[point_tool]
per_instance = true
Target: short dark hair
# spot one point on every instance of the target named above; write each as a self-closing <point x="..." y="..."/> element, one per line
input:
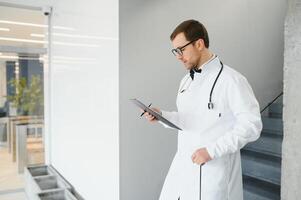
<point x="192" y="30"/>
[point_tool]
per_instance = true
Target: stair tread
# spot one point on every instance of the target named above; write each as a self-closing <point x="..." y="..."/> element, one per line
<point x="275" y="115"/>
<point x="276" y="108"/>
<point x="270" y="144"/>
<point x="272" y="125"/>
<point x="261" y="159"/>
<point x="249" y="195"/>
<point x="260" y="166"/>
<point x="256" y="189"/>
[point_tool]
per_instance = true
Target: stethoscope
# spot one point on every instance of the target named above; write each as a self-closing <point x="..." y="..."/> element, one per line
<point x="210" y="104"/>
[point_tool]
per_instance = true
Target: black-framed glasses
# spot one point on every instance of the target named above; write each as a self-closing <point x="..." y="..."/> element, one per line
<point x="179" y="51"/>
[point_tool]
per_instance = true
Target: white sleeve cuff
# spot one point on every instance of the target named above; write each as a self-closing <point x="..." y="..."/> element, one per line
<point x="210" y="149"/>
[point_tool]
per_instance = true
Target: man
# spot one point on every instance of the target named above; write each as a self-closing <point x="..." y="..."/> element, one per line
<point x="218" y="114"/>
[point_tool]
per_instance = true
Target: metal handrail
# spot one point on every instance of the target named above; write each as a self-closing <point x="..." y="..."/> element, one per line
<point x="271" y="102"/>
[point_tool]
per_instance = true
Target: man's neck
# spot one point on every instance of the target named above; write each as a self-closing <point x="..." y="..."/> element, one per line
<point x="205" y="57"/>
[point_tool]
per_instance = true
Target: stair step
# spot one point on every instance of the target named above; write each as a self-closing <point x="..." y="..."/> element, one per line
<point x="275" y="115"/>
<point x="248" y="195"/>
<point x="262" y="167"/>
<point x="276" y="108"/>
<point x="272" y="125"/>
<point x="259" y="190"/>
<point x="268" y="143"/>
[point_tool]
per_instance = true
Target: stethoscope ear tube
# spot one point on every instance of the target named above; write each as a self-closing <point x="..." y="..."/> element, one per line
<point x="210" y="104"/>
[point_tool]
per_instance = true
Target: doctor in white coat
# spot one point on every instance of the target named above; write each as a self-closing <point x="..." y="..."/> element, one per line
<point x="218" y="114"/>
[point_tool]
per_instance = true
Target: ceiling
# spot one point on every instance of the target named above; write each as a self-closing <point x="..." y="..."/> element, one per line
<point x="12" y="32"/>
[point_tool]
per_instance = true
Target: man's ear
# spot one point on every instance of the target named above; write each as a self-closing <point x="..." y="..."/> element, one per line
<point x="200" y="44"/>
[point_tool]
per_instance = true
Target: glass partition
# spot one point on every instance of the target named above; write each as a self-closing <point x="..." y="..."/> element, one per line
<point x="23" y="50"/>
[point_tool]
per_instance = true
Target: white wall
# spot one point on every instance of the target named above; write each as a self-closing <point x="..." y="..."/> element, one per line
<point x="82" y="112"/>
<point x="247" y="35"/>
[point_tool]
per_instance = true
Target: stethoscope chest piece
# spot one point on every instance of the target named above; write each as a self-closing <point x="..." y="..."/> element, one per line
<point x="210" y="105"/>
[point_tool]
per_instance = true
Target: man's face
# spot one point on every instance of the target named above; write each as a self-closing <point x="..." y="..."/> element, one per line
<point x="191" y="53"/>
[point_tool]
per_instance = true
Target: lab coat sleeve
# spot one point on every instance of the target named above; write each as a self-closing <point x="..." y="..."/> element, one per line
<point x="248" y="124"/>
<point x="170" y="116"/>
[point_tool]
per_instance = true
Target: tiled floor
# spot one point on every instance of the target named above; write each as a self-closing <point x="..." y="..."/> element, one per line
<point x="9" y="177"/>
<point x="11" y="182"/>
<point x="13" y="195"/>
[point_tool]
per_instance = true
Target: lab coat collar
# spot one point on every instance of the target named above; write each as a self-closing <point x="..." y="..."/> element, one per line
<point x="208" y="61"/>
<point x="210" y="65"/>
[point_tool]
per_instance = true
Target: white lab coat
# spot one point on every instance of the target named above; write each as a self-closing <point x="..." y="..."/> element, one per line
<point x="233" y="122"/>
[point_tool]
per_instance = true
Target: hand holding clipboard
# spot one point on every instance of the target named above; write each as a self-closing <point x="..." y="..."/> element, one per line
<point x="155" y="113"/>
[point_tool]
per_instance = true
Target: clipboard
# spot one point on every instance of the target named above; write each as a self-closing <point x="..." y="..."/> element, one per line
<point x="155" y="114"/>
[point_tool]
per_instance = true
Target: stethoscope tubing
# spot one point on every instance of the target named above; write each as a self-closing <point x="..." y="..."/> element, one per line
<point x="210" y="104"/>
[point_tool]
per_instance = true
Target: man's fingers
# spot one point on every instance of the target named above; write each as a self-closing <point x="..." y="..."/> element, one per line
<point x="198" y="161"/>
<point x="150" y="117"/>
<point x="147" y="115"/>
<point x="197" y="158"/>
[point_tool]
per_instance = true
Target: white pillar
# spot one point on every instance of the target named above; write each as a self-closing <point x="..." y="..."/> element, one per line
<point x="291" y="159"/>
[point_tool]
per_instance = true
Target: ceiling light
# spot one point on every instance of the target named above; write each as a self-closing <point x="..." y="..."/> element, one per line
<point x="4" y="29"/>
<point x="22" y="40"/>
<point x="22" y="23"/>
<point x="34" y="25"/>
<point x="9" y="57"/>
<point x="18" y="58"/>
<point x="45" y="42"/>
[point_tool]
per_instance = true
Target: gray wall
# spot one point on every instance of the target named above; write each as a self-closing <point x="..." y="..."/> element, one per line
<point x="291" y="156"/>
<point x="247" y="35"/>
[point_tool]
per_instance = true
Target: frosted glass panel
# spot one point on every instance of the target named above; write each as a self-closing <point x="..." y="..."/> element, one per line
<point x="84" y="96"/>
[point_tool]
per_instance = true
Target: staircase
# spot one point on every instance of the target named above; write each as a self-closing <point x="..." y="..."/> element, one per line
<point x="261" y="160"/>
